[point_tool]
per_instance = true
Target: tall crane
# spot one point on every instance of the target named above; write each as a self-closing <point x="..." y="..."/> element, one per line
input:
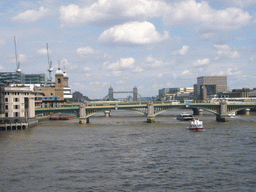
<point x="50" y="69"/>
<point x="16" y="56"/>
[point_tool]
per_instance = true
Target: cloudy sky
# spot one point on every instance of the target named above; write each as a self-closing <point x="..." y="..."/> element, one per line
<point x="150" y="44"/>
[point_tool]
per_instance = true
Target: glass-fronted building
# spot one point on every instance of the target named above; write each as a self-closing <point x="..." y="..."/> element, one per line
<point x="8" y="78"/>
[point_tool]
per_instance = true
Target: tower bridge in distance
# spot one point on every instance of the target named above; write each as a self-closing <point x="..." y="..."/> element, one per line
<point x="111" y="92"/>
<point x="151" y="109"/>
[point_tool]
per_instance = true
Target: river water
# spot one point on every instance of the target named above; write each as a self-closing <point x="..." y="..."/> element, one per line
<point x="124" y="153"/>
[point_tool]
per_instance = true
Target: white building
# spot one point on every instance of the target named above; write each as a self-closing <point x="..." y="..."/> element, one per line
<point x="18" y="106"/>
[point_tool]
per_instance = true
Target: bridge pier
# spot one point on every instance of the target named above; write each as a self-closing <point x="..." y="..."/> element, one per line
<point x="223" y="112"/>
<point x="221" y="118"/>
<point x="244" y="112"/>
<point x="151" y="112"/>
<point x="197" y="111"/>
<point x="107" y="113"/>
<point x="82" y="118"/>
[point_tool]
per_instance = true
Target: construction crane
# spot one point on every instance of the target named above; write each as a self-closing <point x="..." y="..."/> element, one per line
<point x="50" y="69"/>
<point x="17" y="62"/>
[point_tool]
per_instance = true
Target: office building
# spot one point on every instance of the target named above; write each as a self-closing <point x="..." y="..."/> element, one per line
<point x="8" y="78"/>
<point x="209" y="86"/>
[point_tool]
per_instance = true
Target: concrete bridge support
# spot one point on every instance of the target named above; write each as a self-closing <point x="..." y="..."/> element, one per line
<point x="223" y="113"/>
<point x="197" y="111"/>
<point x="82" y="117"/>
<point x="151" y="112"/>
<point x="107" y="113"/>
<point x="222" y="118"/>
<point x="244" y="112"/>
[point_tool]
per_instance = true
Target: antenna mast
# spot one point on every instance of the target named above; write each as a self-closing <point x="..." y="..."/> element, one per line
<point x="49" y="63"/>
<point x="16" y="56"/>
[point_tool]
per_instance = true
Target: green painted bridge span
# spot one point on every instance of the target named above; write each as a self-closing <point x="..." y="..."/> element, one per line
<point x="142" y="107"/>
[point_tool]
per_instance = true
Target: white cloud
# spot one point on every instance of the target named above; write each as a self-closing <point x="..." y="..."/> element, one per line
<point x="134" y="33"/>
<point x="31" y="15"/>
<point x="43" y="51"/>
<point x="218" y="73"/>
<point x="186" y="72"/>
<point x="224" y="50"/>
<point x="201" y="62"/>
<point x="22" y="57"/>
<point x="153" y="63"/>
<point x="88" y="75"/>
<point x="241" y="3"/>
<point x="105" y="13"/>
<point x="67" y="64"/>
<point x="85" y="50"/>
<point x="186" y="12"/>
<point x="94" y="83"/>
<point x="86" y="69"/>
<point x="117" y="73"/>
<point x="127" y="62"/>
<point x="160" y="75"/>
<point x="105" y="84"/>
<point x="114" y="66"/>
<point x="120" y="82"/>
<point x="207" y="35"/>
<point x="234" y="72"/>
<point x="190" y="12"/>
<point x="123" y="63"/>
<point x="1" y="67"/>
<point x="138" y="69"/>
<point x="182" y="51"/>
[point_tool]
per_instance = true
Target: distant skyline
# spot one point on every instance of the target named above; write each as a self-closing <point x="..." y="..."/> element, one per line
<point x="150" y="44"/>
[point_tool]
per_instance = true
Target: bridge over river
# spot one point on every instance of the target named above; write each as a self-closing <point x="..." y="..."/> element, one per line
<point x="150" y="109"/>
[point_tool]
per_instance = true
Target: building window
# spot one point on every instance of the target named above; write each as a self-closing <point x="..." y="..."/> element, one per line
<point x="16" y="99"/>
<point x="6" y="99"/>
<point x="6" y="106"/>
<point x="16" y="106"/>
<point x="58" y="81"/>
<point x="16" y="114"/>
<point x="6" y="114"/>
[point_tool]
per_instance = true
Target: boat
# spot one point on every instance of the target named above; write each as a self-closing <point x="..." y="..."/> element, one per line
<point x="232" y="115"/>
<point x="196" y="125"/>
<point x="185" y="117"/>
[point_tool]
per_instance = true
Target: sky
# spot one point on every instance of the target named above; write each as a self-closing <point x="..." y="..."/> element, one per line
<point x="150" y="44"/>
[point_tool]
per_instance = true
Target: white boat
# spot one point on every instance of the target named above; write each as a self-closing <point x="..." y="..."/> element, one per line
<point x="185" y="117"/>
<point x="232" y="115"/>
<point x="196" y="125"/>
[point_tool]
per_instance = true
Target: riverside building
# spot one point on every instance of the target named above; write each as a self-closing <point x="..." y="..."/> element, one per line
<point x="61" y="88"/>
<point x="209" y="86"/>
<point x="17" y="108"/>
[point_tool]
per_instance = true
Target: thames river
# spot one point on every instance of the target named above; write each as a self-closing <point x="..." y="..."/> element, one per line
<point x="124" y="153"/>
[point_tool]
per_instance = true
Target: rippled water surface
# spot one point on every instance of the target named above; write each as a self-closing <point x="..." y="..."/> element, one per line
<point x="124" y="153"/>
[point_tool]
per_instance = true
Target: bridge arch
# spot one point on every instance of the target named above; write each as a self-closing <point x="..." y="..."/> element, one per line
<point x="103" y="110"/>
